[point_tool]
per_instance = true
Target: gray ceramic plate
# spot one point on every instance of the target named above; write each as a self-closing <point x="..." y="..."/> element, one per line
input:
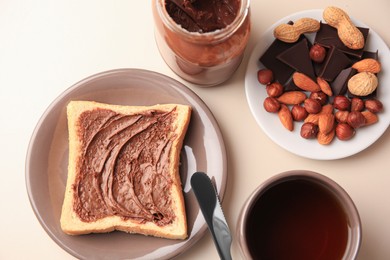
<point x="47" y="159"/>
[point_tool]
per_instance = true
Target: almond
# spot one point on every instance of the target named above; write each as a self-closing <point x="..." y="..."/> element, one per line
<point x="367" y="65"/>
<point x="313" y="118"/>
<point x="371" y="118"/>
<point x="326" y="123"/>
<point x="292" y="97"/>
<point x="325" y="139"/>
<point x="327" y="109"/>
<point x="285" y="117"/>
<point x="305" y="83"/>
<point x="325" y="87"/>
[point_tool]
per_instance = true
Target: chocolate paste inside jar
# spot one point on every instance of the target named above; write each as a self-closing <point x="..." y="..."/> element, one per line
<point x="124" y="166"/>
<point x="203" y="15"/>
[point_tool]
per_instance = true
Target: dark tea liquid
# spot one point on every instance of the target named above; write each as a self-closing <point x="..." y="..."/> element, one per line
<point x="297" y="219"/>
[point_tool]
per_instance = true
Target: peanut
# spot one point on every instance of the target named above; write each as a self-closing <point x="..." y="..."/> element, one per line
<point x="362" y="83"/>
<point x="291" y="33"/>
<point x="348" y="33"/>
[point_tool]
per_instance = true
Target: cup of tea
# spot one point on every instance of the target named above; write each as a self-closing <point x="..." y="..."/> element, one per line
<point x="299" y="215"/>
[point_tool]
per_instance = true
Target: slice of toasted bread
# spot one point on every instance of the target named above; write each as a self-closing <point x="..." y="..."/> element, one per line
<point x="123" y="171"/>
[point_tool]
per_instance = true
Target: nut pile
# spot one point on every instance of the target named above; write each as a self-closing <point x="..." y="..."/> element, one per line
<point x="324" y="115"/>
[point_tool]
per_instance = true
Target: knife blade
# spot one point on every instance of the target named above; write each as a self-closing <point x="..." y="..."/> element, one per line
<point x="210" y="206"/>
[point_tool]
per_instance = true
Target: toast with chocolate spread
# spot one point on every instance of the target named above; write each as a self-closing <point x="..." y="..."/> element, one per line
<point x="123" y="171"/>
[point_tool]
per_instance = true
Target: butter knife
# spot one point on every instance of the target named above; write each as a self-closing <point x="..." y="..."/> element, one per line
<point x="211" y="208"/>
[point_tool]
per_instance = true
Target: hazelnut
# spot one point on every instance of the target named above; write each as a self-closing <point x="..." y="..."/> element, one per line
<point x="265" y="76"/>
<point x="317" y="53"/>
<point x="341" y="103"/>
<point x="357" y="104"/>
<point x="341" y="116"/>
<point x="298" y="112"/>
<point x="320" y="96"/>
<point x="373" y="105"/>
<point x="356" y="119"/>
<point x="312" y="106"/>
<point x="309" y="130"/>
<point x="271" y="105"/>
<point x="274" y="89"/>
<point x="344" y="131"/>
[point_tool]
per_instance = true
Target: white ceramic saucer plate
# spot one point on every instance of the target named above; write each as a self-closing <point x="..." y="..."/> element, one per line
<point x="292" y="141"/>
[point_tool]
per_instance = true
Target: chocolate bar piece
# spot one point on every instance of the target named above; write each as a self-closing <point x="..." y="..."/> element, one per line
<point x="370" y="96"/>
<point x="366" y="54"/>
<point x="370" y="54"/>
<point x="340" y="84"/>
<point x="290" y="86"/>
<point x="298" y="58"/>
<point x="282" y="72"/>
<point x="327" y="36"/>
<point x="334" y="62"/>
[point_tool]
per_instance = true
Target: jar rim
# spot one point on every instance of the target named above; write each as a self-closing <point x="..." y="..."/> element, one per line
<point x="213" y="36"/>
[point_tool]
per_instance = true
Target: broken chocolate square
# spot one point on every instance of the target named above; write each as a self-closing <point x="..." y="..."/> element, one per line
<point x="366" y="55"/>
<point x="370" y="96"/>
<point x="371" y="55"/>
<point x="340" y="84"/>
<point x="282" y="72"/>
<point x="335" y="61"/>
<point x="298" y="58"/>
<point x="290" y="86"/>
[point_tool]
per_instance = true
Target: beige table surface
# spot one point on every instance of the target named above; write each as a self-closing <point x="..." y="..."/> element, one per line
<point x="46" y="46"/>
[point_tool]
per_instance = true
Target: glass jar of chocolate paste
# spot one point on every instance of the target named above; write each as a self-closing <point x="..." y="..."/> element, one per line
<point x="202" y="41"/>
